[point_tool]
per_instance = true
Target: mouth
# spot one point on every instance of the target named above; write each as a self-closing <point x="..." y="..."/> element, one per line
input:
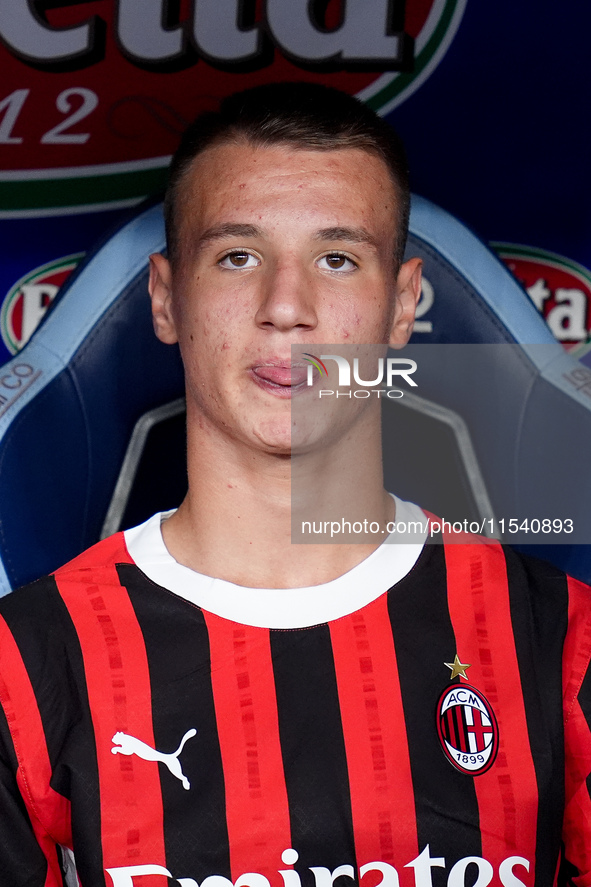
<point x="283" y="379"/>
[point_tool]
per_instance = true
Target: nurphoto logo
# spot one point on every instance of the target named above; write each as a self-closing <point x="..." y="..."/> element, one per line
<point x="387" y="370"/>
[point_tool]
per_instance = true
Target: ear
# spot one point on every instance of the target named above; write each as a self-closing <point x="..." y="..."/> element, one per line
<point x="160" y="287"/>
<point x="408" y="293"/>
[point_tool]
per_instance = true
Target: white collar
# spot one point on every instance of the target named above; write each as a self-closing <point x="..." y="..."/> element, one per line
<point x="281" y="607"/>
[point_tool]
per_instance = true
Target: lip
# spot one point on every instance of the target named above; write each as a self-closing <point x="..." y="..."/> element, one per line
<point x="282" y="379"/>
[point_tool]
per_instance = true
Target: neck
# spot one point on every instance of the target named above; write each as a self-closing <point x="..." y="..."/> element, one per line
<point x="248" y="515"/>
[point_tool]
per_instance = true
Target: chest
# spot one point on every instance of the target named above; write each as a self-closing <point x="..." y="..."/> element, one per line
<point x="393" y="744"/>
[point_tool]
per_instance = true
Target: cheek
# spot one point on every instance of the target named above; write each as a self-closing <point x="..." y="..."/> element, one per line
<point x="210" y="327"/>
<point x="370" y="326"/>
<point x="352" y="327"/>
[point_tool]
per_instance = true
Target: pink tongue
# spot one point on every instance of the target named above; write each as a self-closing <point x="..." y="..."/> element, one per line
<point x="282" y="375"/>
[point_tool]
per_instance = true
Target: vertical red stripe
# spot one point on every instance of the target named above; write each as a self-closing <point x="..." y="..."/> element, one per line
<point x="577" y="654"/>
<point x="246" y="712"/>
<point x="49" y="811"/>
<point x="451" y="724"/>
<point x="118" y="682"/>
<point x="382" y="795"/>
<point x="480" y="613"/>
<point x="578" y="806"/>
<point x="577" y="645"/>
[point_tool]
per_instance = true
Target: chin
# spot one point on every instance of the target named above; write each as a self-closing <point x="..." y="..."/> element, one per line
<point x="275" y="436"/>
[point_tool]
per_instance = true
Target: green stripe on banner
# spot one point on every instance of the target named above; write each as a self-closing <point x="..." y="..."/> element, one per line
<point x="402" y="81"/>
<point x="40" y="194"/>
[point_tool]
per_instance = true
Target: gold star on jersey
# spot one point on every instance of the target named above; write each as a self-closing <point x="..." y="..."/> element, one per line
<point x="458" y="668"/>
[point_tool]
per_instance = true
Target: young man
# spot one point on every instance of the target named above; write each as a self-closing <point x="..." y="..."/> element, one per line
<point x="201" y="701"/>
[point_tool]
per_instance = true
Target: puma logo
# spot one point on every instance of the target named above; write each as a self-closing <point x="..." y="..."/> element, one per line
<point x="129" y="745"/>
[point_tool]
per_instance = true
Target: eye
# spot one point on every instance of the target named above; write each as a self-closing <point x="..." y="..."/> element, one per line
<point x="336" y="262"/>
<point x="239" y="259"/>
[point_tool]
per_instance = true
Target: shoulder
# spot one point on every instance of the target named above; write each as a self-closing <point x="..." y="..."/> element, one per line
<point x="37" y="609"/>
<point x="539" y="576"/>
<point x="554" y="594"/>
<point x="41" y="644"/>
<point x="102" y="556"/>
<point x="539" y="595"/>
<point x="554" y="609"/>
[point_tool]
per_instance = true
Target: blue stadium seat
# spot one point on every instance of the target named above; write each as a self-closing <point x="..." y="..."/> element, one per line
<point x="83" y="397"/>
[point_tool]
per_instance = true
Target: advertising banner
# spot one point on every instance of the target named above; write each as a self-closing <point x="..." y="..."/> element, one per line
<point x="95" y="93"/>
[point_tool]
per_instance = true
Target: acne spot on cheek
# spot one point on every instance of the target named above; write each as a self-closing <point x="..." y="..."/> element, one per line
<point x="346" y="334"/>
<point x="224" y="347"/>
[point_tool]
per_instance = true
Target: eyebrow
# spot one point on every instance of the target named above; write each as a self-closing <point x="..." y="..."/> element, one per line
<point x="228" y="229"/>
<point x="337" y="232"/>
<point x="352" y="235"/>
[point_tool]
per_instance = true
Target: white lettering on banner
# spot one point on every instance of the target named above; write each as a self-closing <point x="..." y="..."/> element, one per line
<point x="425" y="304"/>
<point x="538" y="293"/>
<point x="567" y="320"/>
<point x="365" y="34"/>
<point x="36" y="299"/>
<point x="362" y="36"/>
<point x="12" y="105"/>
<point x="57" y="135"/>
<point x="217" y="34"/>
<point x="149" y="41"/>
<point x="123" y="876"/>
<point x="33" y="38"/>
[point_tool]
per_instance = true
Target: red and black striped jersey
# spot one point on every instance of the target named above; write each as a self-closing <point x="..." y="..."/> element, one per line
<point x="438" y="735"/>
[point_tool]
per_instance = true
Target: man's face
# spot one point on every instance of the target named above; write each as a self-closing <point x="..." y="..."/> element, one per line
<point x="277" y="247"/>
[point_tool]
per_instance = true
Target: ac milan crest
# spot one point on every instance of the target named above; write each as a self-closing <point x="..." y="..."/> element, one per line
<point x="467" y="729"/>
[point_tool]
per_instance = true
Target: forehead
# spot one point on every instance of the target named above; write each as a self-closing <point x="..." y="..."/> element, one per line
<point x="241" y="182"/>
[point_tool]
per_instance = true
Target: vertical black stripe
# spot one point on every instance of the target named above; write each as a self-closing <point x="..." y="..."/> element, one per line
<point x="424" y="640"/>
<point x="584" y="696"/>
<point x="22" y="860"/>
<point x="313" y="750"/>
<point x="177" y="645"/>
<point x="54" y="663"/>
<point x="539" y="613"/>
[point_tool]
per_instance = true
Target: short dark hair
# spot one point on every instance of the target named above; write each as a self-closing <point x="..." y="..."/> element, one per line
<point x="303" y="115"/>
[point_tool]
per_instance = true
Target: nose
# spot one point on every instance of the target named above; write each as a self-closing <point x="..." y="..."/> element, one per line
<point x="287" y="299"/>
